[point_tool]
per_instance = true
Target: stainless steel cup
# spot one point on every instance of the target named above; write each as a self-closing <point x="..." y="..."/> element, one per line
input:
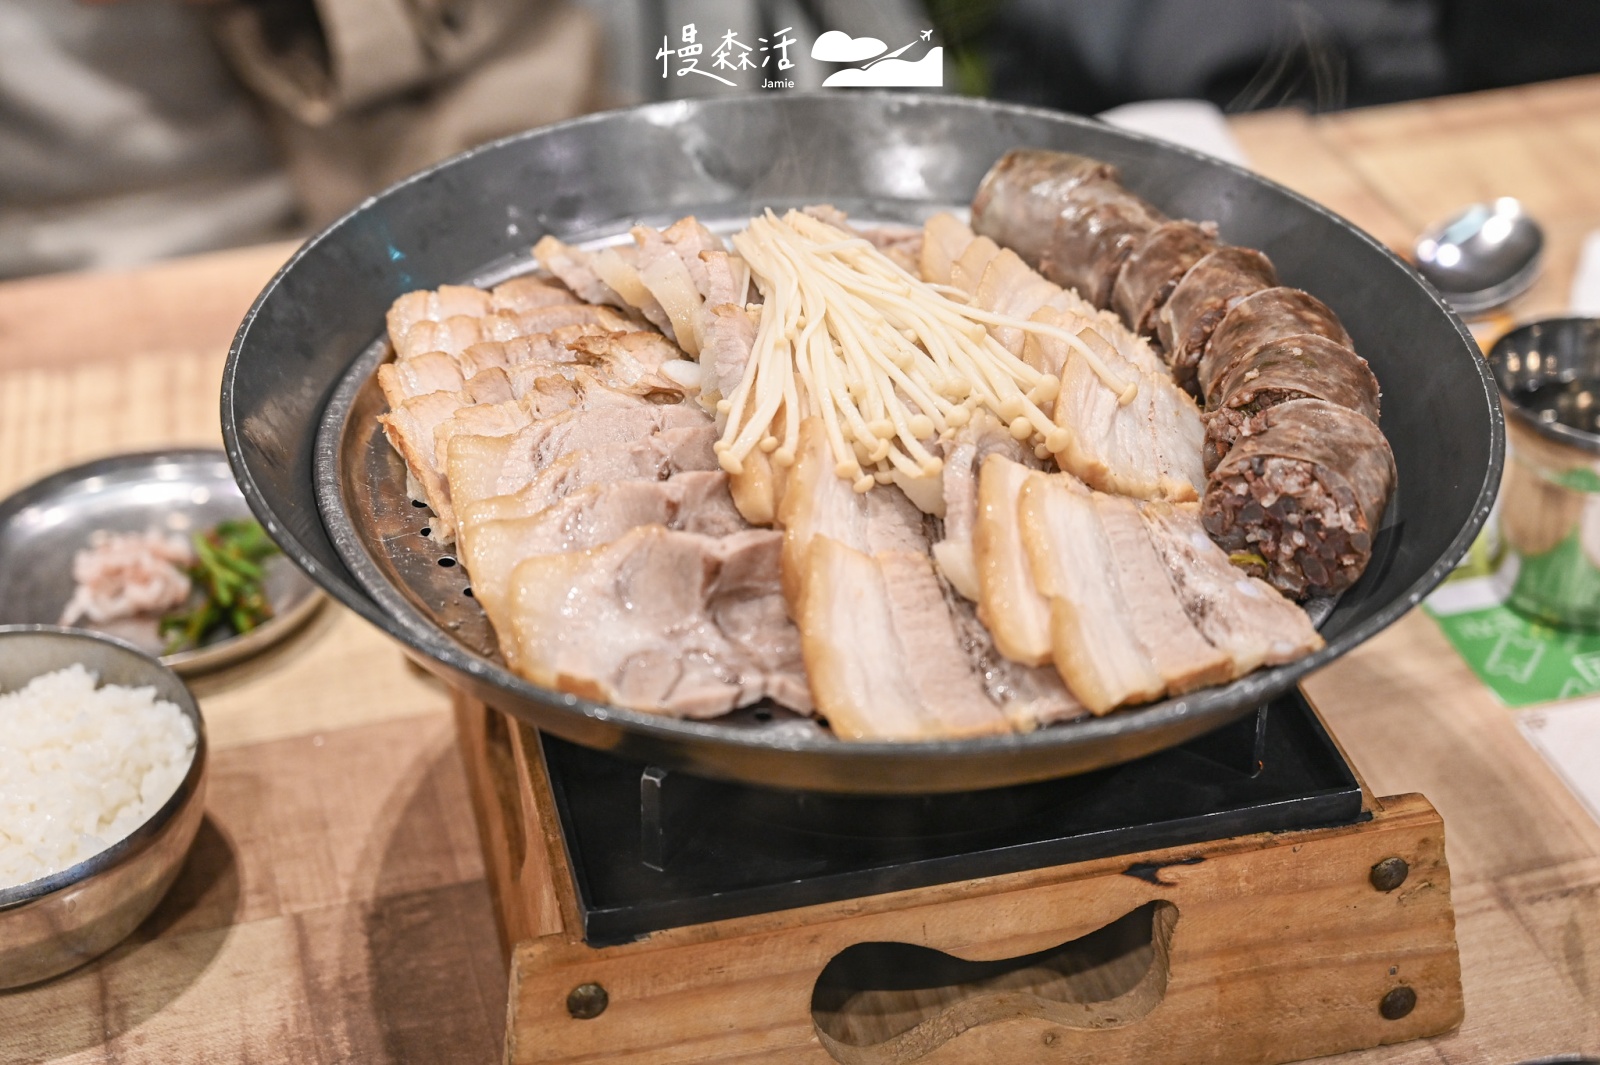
<point x="1549" y="377"/>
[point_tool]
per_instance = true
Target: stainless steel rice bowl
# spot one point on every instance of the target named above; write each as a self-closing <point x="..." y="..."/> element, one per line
<point x="61" y="921"/>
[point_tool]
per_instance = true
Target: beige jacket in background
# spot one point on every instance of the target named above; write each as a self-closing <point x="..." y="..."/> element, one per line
<point x="374" y="90"/>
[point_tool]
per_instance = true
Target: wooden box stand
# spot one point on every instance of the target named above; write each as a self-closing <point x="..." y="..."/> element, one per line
<point x="1257" y="949"/>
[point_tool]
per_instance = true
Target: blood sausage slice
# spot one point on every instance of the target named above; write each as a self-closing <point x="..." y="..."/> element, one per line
<point x="1022" y="195"/>
<point x="1099" y="226"/>
<point x="1154" y="268"/>
<point x="1258" y="319"/>
<point x="1202" y="299"/>
<point x="1296" y="367"/>
<point x="1300" y="496"/>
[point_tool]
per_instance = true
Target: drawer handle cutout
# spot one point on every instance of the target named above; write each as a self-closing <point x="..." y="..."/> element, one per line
<point x="892" y="1003"/>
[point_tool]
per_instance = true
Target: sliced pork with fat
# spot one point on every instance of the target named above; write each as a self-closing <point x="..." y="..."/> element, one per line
<point x="591" y="516"/>
<point x="1030" y="697"/>
<point x="571" y="266"/>
<point x="1183" y="657"/>
<point x="475" y="464"/>
<point x="1009" y="601"/>
<point x="1008" y="285"/>
<point x="432" y="371"/>
<point x="944" y="239"/>
<point x="1093" y="639"/>
<point x="881" y="650"/>
<point x="454" y="335"/>
<point x="818" y="502"/>
<point x="662" y="621"/>
<point x="409" y="429"/>
<point x="1149" y="447"/>
<point x="1245" y="617"/>
<point x="965" y="453"/>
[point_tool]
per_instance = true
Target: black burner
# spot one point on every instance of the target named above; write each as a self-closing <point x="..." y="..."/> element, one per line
<point x="653" y="849"/>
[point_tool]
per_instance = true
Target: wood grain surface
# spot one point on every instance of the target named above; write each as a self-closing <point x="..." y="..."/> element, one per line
<point x="335" y="909"/>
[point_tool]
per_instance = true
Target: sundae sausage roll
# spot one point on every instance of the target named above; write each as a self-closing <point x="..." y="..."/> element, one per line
<point x="1017" y="203"/>
<point x="1098" y="228"/>
<point x="1155" y="267"/>
<point x="1299" y="497"/>
<point x="1212" y="287"/>
<point x="1296" y="367"/>
<point x="1268" y="315"/>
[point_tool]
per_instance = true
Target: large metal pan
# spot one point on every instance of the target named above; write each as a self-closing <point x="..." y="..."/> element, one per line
<point x="297" y="396"/>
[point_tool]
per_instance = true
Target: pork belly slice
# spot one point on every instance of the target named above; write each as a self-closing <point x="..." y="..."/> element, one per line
<point x="410" y="431"/>
<point x="1009" y="602"/>
<point x="881" y="649"/>
<point x="967" y="271"/>
<point x="969" y="447"/>
<point x="475" y="464"/>
<point x="434" y="305"/>
<point x="565" y="387"/>
<point x="1242" y="616"/>
<point x="544" y="441"/>
<point x="452" y="301"/>
<point x="661" y="621"/>
<point x="591" y="516"/>
<point x="1010" y="286"/>
<point x="496" y="463"/>
<point x="489" y="386"/>
<point x="432" y="371"/>
<point x="1093" y="640"/>
<point x="944" y="238"/>
<point x="528" y="293"/>
<point x="728" y="337"/>
<point x="818" y="502"/>
<point x="691" y="242"/>
<point x="1184" y="658"/>
<point x="551" y="346"/>
<point x="618" y="268"/>
<point x="478" y="419"/>
<point x="454" y="335"/>
<point x="571" y="266"/>
<point x="530" y="378"/>
<point x="671" y="268"/>
<point x="1149" y="448"/>
<point x="628" y="355"/>
<point x="1030" y="697"/>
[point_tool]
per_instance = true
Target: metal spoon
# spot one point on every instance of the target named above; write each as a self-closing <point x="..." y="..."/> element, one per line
<point x="1483" y="256"/>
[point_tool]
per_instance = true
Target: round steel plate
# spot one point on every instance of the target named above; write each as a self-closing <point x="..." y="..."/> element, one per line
<point x="177" y="491"/>
<point x="297" y="399"/>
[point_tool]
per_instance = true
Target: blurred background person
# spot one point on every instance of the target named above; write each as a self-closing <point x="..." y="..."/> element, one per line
<point x="138" y="129"/>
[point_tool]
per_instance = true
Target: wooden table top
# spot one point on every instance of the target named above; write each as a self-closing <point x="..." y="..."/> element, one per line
<point x="335" y="907"/>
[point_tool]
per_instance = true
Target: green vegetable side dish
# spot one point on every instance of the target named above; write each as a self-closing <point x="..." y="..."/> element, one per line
<point x="229" y="594"/>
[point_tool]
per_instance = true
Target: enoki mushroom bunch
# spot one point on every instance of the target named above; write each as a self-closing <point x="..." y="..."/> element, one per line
<point x="888" y="362"/>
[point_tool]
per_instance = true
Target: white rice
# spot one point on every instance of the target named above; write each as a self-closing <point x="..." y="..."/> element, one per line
<point x="81" y="768"/>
